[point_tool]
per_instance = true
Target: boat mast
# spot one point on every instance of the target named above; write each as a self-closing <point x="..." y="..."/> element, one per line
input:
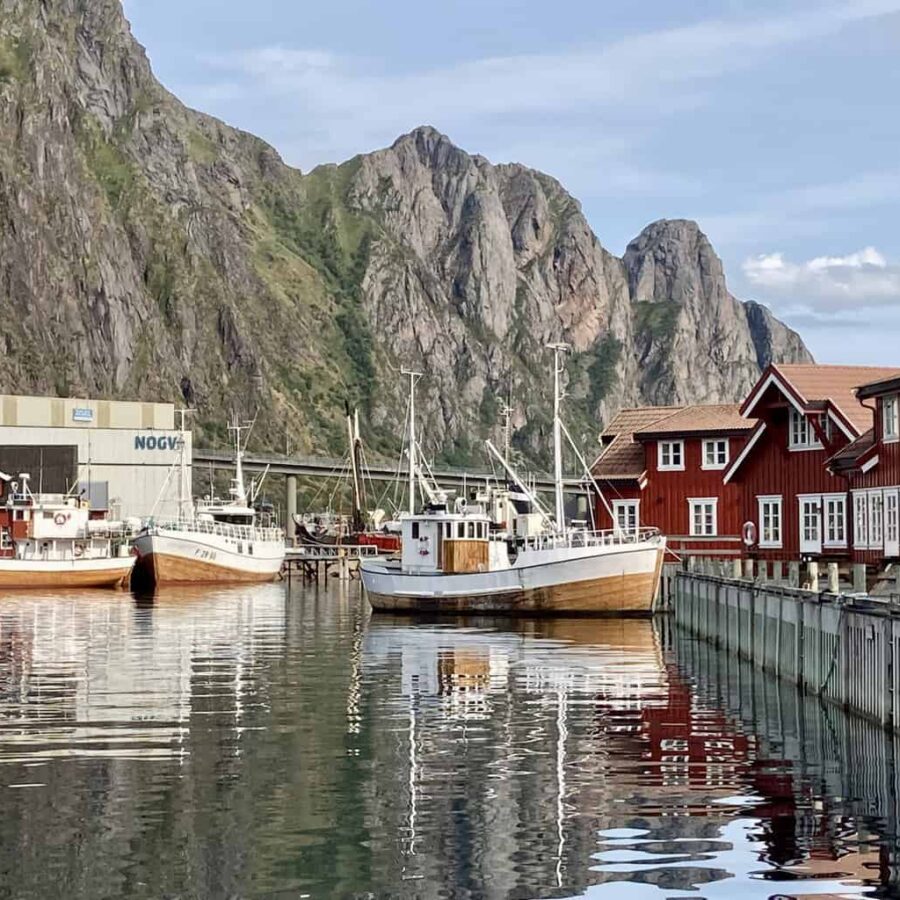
<point x="353" y="433"/>
<point x="412" y="437"/>
<point x="185" y="509"/>
<point x="238" y="491"/>
<point x="558" y="350"/>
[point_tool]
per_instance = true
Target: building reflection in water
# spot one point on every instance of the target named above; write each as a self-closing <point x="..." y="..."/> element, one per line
<point x="273" y="742"/>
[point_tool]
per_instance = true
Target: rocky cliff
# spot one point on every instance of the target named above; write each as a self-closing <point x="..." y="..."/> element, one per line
<point x="147" y="250"/>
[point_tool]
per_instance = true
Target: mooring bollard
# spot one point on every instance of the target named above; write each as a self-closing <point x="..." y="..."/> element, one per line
<point x="812" y="571"/>
<point x="794" y="574"/>
<point x="859" y="578"/>
<point x="834" y="584"/>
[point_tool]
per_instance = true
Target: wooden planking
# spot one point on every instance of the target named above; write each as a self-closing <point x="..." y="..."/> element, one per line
<point x="165" y="568"/>
<point x="75" y="578"/>
<point x="617" y="595"/>
<point x="465" y="556"/>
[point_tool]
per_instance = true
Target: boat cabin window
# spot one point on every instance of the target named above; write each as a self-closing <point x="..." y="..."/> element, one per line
<point x="415" y="530"/>
<point x="237" y="519"/>
<point x="448" y="530"/>
<point x="471" y="529"/>
<point x="461" y="529"/>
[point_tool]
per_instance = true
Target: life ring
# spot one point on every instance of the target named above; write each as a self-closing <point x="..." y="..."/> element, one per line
<point x="59" y="519"/>
<point x="424" y="548"/>
<point x="78" y="551"/>
<point x="748" y="532"/>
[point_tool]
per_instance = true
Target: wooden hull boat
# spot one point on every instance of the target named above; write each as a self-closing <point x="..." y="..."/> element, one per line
<point x="617" y="579"/>
<point x="109" y="572"/>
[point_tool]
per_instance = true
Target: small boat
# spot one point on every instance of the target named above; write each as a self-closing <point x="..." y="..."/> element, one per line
<point x="57" y="541"/>
<point x="457" y="561"/>
<point x="213" y="541"/>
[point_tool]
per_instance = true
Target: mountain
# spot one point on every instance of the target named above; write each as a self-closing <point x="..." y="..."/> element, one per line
<point x="151" y="251"/>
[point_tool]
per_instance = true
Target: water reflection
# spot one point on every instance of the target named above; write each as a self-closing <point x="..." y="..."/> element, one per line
<point x="260" y="742"/>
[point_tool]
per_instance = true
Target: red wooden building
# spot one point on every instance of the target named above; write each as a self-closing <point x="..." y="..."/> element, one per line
<point x="662" y="467"/>
<point x="871" y="464"/>
<point x="805" y="415"/>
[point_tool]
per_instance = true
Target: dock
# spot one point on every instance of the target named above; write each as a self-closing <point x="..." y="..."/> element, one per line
<point x="311" y="562"/>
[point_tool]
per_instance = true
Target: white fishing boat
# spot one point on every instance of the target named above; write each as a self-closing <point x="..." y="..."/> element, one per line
<point x="457" y="561"/>
<point x="213" y="541"/>
<point x="58" y="541"/>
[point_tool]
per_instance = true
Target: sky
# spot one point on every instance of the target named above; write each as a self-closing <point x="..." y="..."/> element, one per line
<point x="773" y="124"/>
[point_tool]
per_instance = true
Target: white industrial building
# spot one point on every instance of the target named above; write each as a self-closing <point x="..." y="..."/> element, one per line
<point x="125" y="454"/>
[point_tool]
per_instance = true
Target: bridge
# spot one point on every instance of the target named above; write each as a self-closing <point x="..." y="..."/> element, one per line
<point x="325" y="467"/>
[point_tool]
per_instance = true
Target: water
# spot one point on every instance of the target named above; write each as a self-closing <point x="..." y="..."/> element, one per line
<point x="265" y="743"/>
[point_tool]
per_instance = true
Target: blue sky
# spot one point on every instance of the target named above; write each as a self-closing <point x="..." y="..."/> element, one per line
<point x="773" y="124"/>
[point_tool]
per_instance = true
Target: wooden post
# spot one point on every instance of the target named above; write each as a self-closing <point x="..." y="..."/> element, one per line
<point x="748" y="569"/>
<point x="834" y="585"/>
<point x="290" y="504"/>
<point x="343" y="565"/>
<point x="794" y="574"/>
<point x="778" y="571"/>
<point x="859" y="578"/>
<point x="762" y="570"/>
<point x="736" y="568"/>
<point x="812" y="570"/>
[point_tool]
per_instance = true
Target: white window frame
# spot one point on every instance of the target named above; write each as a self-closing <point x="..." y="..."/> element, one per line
<point x="670" y="466"/>
<point x="890" y="422"/>
<point x="696" y="502"/>
<point x="860" y="520"/>
<point x="829" y="539"/>
<point x="776" y="501"/>
<point x="632" y="509"/>
<point x="800" y="426"/>
<point x="891" y="518"/>
<point x="876" y="520"/>
<point x="712" y="444"/>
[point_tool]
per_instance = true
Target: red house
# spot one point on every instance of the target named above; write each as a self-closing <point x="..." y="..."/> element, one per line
<point x="805" y="415"/>
<point x="871" y="465"/>
<point x="662" y="467"/>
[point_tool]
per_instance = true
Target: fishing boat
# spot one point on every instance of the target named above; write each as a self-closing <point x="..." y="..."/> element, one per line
<point x="212" y="540"/>
<point x="455" y="560"/>
<point x="363" y="526"/>
<point x="58" y="541"/>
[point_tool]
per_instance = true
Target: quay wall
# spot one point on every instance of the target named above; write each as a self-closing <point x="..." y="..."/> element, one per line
<point x="843" y="649"/>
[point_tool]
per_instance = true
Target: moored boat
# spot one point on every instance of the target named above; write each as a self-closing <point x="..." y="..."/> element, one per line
<point x="213" y="541"/>
<point x="459" y="562"/>
<point x="57" y="541"/>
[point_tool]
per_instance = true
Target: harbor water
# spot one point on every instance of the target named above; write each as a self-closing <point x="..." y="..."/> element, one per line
<point x="282" y="741"/>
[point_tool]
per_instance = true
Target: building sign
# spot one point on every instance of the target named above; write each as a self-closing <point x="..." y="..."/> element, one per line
<point x="82" y="414"/>
<point x="156" y="442"/>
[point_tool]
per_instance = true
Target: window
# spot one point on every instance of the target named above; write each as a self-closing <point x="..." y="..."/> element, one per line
<point x="626" y="515"/>
<point x="876" y="510"/>
<point x="461" y="530"/>
<point x="802" y="436"/>
<point x="471" y="529"/>
<point x="891" y="521"/>
<point x="769" y="521"/>
<point x="703" y="522"/>
<point x="715" y="454"/>
<point x="890" y="427"/>
<point x="860" y="522"/>
<point x="415" y="531"/>
<point x="835" y="520"/>
<point x="671" y="455"/>
<point x="5" y="540"/>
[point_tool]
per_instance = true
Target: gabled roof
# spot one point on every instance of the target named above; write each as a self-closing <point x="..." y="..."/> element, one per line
<point x="807" y="385"/>
<point x="721" y="418"/>
<point x="875" y="388"/>
<point x="628" y="421"/>
<point x="622" y="460"/>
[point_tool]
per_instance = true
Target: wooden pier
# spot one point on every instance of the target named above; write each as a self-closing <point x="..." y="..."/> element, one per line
<point x="312" y="562"/>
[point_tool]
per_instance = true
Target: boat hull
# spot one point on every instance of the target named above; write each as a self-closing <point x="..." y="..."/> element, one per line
<point x="111" y="572"/>
<point x="619" y="583"/>
<point x="181" y="559"/>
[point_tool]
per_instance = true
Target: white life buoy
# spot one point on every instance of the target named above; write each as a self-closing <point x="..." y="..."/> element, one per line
<point x="78" y="551"/>
<point x="749" y="533"/>
<point x="59" y="519"/>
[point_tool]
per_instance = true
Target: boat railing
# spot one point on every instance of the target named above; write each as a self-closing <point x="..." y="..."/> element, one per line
<point x="609" y="538"/>
<point x="221" y="529"/>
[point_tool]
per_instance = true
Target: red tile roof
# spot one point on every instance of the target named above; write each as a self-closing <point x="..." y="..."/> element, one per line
<point x="837" y="384"/>
<point x="621" y="460"/>
<point x="628" y="421"/>
<point x="709" y="419"/>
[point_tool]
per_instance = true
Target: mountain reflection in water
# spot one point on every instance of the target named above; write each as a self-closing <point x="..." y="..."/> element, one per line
<point x="276" y="742"/>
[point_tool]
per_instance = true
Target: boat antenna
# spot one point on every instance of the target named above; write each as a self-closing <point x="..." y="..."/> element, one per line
<point x="531" y="495"/>
<point x="238" y="491"/>
<point x="413" y="377"/>
<point x="559" y="350"/>
<point x="184" y="499"/>
<point x="506" y="412"/>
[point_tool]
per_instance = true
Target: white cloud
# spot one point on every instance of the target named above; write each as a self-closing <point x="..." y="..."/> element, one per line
<point x="827" y="284"/>
<point x="642" y="81"/>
